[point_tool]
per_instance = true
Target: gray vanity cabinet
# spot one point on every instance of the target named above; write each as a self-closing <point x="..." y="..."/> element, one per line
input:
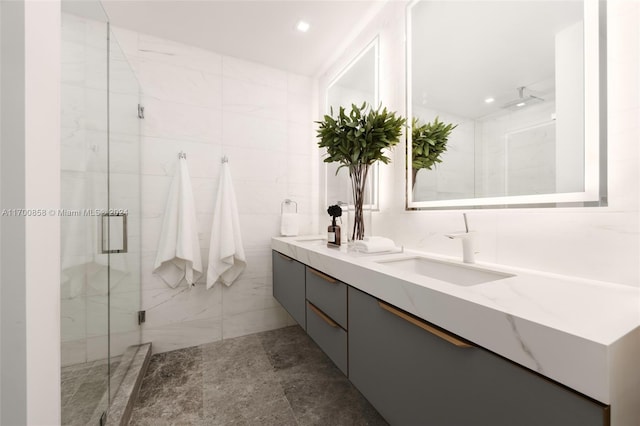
<point x="289" y="286"/>
<point x="415" y="377"/>
<point x="328" y="335"/>
<point x="327" y="315"/>
<point x="328" y="294"/>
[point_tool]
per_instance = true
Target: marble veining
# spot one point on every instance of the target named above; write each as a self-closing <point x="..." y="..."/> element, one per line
<point x="523" y="344"/>
<point x="278" y="377"/>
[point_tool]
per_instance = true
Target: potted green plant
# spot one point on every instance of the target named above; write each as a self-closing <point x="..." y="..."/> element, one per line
<point x="429" y="141"/>
<point x="356" y="141"/>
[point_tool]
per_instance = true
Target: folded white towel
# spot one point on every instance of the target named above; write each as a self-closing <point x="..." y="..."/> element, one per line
<point x="226" y="254"/>
<point x="289" y="225"/>
<point x="178" y="255"/>
<point x="374" y="244"/>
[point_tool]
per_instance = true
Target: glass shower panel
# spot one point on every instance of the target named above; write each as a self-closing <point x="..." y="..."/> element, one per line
<point x="124" y="203"/>
<point x="100" y="212"/>
<point x="84" y="194"/>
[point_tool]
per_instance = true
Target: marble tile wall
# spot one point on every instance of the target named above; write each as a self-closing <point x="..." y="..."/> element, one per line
<point x="209" y="105"/>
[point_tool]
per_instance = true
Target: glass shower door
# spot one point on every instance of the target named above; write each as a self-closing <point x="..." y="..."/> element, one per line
<point x="84" y="271"/>
<point x="124" y="204"/>
<point x="100" y="212"/>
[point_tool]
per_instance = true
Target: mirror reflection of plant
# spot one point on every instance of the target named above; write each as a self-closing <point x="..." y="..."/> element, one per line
<point x="356" y="141"/>
<point x="429" y="142"/>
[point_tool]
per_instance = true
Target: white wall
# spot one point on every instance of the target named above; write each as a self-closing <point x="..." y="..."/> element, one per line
<point x="13" y="229"/>
<point x="596" y="243"/>
<point x="30" y="245"/>
<point x="1" y="117"/>
<point x="209" y="105"/>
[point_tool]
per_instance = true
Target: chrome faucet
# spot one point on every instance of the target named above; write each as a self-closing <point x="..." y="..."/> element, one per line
<point x="468" y="255"/>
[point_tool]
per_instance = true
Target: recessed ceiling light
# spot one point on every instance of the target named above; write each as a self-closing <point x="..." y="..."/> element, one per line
<point x="303" y="26"/>
<point x="489" y="100"/>
<point x="521" y="104"/>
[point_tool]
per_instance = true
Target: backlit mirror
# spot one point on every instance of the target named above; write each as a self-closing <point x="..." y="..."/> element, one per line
<point x="522" y="82"/>
<point x="355" y="84"/>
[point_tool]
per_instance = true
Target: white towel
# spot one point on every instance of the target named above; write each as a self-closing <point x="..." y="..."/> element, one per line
<point x="374" y="245"/>
<point x="226" y="254"/>
<point x="289" y="225"/>
<point x="178" y="255"/>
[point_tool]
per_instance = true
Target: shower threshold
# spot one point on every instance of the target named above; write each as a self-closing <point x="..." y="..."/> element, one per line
<point x="131" y="369"/>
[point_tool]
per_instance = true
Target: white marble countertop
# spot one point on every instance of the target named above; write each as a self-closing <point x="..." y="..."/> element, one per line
<point x="569" y="329"/>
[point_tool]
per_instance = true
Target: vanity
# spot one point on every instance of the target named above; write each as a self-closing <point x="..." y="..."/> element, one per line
<point x="429" y="340"/>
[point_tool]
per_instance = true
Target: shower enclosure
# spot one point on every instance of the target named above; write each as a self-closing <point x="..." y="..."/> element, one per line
<point x="100" y="212"/>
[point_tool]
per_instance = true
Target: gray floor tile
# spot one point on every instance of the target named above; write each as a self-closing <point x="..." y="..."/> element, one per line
<point x="171" y="391"/>
<point x="277" y="378"/>
<point x="277" y="412"/>
<point x="289" y="347"/>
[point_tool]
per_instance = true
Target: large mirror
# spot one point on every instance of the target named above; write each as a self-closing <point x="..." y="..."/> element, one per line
<point x="355" y="84"/>
<point x="520" y="83"/>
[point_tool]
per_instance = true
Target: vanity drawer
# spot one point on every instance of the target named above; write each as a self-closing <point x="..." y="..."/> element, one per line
<point x="328" y="294"/>
<point x="289" y="286"/>
<point x="331" y="338"/>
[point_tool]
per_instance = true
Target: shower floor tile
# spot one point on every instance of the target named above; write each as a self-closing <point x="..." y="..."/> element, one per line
<point x="82" y="388"/>
<point x="277" y="377"/>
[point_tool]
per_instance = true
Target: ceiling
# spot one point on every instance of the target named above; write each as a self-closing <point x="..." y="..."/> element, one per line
<point x="262" y="31"/>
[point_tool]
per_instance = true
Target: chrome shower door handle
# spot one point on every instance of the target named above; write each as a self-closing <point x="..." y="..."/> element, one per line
<point x="110" y="226"/>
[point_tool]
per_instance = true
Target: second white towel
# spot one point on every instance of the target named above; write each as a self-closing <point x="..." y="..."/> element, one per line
<point x="226" y="254"/>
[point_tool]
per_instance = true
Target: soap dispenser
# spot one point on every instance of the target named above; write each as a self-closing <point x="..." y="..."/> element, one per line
<point x="333" y="231"/>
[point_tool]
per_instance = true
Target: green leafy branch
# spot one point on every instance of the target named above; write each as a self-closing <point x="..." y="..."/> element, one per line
<point x="359" y="137"/>
<point x="429" y="142"/>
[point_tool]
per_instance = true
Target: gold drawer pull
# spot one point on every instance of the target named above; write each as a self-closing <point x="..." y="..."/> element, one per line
<point x="323" y="276"/>
<point x="441" y="334"/>
<point x="287" y="258"/>
<point x="322" y="315"/>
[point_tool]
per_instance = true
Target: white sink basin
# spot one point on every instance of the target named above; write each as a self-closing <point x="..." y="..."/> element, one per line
<point x="452" y="273"/>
